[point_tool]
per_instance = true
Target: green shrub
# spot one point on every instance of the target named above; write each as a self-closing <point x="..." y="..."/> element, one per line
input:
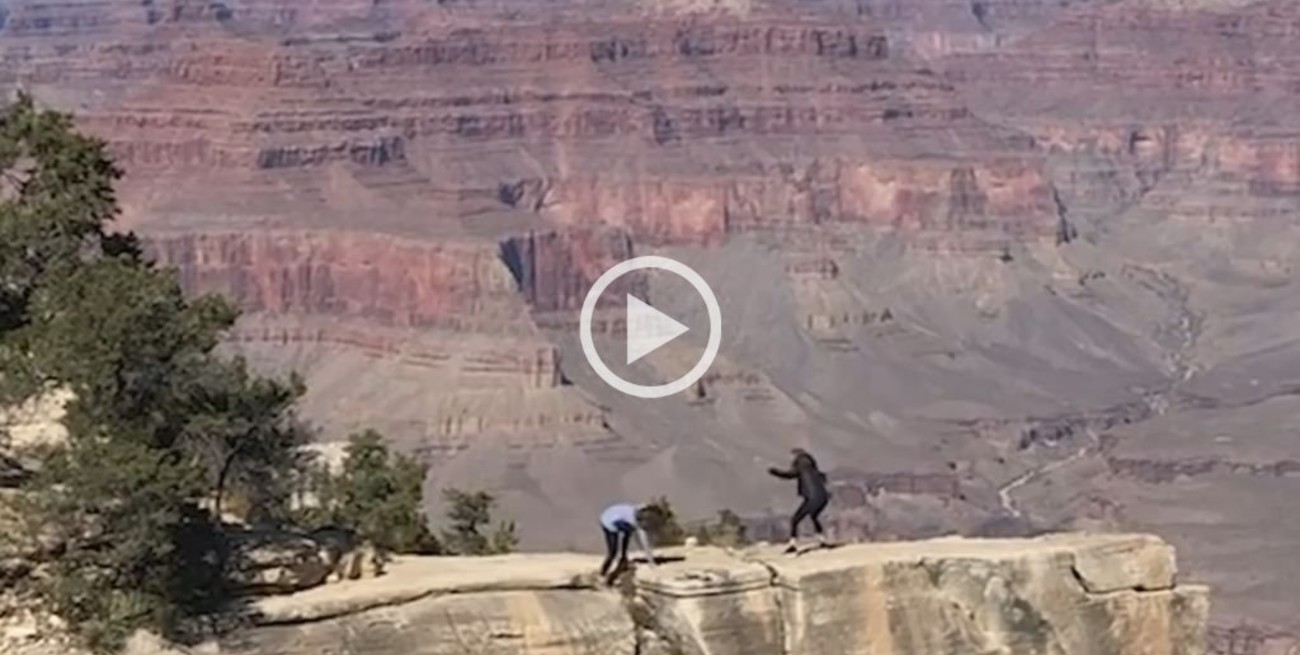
<point x="470" y="514"/>
<point x="727" y="531"/>
<point x="660" y="524"/>
<point x="161" y="427"/>
<point x="377" y="493"/>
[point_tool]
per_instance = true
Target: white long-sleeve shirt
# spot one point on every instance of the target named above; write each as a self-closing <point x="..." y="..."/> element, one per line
<point x="626" y="513"/>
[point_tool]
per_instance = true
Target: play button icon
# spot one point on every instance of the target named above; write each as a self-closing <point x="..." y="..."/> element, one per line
<point x="649" y="329"/>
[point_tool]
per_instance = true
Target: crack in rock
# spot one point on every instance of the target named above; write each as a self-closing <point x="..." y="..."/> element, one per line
<point x="775" y="583"/>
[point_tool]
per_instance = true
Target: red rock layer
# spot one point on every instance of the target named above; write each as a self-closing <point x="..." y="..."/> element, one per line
<point x="679" y="130"/>
<point x="396" y="282"/>
<point x="382" y="279"/>
<point x="1209" y="91"/>
<point x="555" y="269"/>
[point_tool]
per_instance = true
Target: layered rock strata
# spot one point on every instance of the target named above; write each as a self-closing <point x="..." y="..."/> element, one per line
<point x="677" y="129"/>
<point x="1066" y="594"/>
<point x="411" y="197"/>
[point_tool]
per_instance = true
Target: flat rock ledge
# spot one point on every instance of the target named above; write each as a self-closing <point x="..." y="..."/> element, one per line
<point x="1067" y="594"/>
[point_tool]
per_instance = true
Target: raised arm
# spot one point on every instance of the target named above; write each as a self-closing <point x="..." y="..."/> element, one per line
<point x="783" y="474"/>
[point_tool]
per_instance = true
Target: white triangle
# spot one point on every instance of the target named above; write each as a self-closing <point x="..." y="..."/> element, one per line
<point x="648" y="329"/>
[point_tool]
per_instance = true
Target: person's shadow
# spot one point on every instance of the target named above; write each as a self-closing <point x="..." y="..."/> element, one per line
<point x="659" y="559"/>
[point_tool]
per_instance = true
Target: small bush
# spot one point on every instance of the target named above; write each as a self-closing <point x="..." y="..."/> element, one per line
<point x="660" y="524"/>
<point x="470" y="513"/>
<point x="378" y="494"/>
<point x="727" y="531"/>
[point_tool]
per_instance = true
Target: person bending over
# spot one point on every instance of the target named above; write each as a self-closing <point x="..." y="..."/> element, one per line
<point x="812" y="491"/>
<point x="619" y="522"/>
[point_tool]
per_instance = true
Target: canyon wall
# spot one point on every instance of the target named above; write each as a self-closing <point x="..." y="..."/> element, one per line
<point x="1005" y="265"/>
<point x="675" y="129"/>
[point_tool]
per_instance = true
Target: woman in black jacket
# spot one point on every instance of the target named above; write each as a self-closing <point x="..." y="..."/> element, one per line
<point x="812" y="489"/>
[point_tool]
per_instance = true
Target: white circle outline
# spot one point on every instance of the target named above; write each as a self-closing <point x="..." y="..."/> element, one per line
<point x="589" y="308"/>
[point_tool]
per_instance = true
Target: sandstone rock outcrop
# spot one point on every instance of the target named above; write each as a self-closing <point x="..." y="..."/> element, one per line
<point x="279" y="562"/>
<point x="1066" y="594"/>
<point x="34" y="422"/>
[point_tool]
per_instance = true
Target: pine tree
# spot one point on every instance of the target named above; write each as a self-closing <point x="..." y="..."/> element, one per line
<point x="470" y="513"/>
<point x="160" y="427"/>
<point x="378" y="494"/>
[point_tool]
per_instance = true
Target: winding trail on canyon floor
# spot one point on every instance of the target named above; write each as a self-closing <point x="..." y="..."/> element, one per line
<point x="1005" y="492"/>
<point x="1186" y="325"/>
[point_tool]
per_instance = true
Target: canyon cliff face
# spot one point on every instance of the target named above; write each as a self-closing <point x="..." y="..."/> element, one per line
<point x="1006" y="266"/>
<point x="1070" y="594"/>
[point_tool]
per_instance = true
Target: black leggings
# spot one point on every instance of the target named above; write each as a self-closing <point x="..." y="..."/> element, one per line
<point x="811" y="508"/>
<point x="615" y="546"/>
